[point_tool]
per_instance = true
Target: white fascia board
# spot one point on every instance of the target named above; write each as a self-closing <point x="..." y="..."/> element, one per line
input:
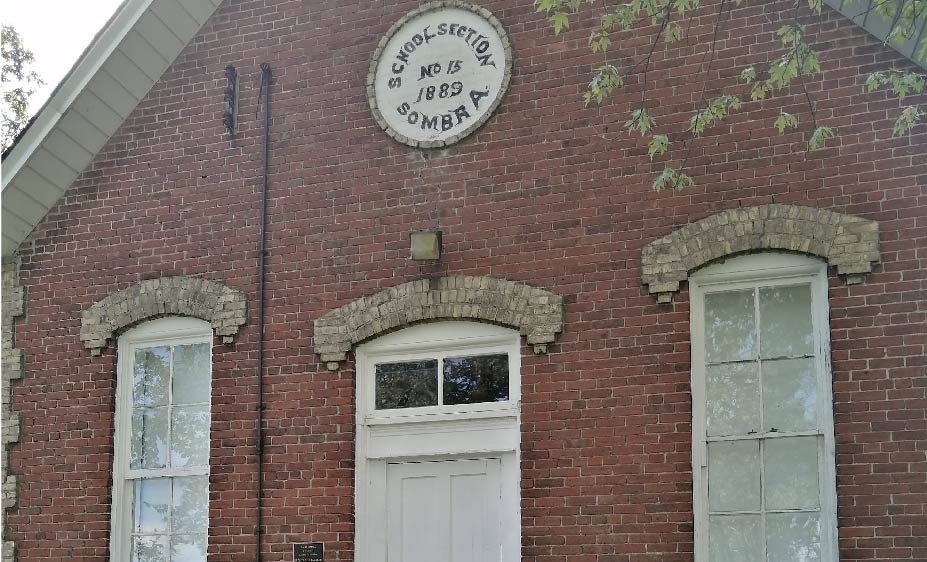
<point x="106" y="41"/>
<point x="864" y="14"/>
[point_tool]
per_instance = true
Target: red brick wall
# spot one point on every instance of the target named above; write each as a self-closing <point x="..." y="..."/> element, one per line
<point x="547" y="193"/>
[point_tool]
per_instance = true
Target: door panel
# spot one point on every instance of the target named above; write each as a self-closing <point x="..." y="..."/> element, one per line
<point x="443" y="511"/>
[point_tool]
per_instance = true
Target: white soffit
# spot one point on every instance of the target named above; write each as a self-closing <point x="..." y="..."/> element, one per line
<point x="114" y="73"/>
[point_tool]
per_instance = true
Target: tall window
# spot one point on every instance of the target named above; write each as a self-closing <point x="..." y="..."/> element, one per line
<point x="160" y="483"/>
<point x="763" y="438"/>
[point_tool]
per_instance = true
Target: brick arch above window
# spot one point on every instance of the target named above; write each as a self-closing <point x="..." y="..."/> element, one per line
<point x="536" y="313"/>
<point x="212" y="301"/>
<point x="847" y="242"/>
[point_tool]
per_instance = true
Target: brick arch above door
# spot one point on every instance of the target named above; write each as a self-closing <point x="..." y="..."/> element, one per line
<point x="847" y="242"/>
<point x="536" y="313"/>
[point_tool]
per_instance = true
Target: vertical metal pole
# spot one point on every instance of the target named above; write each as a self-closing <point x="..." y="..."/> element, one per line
<point x="262" y="249"/>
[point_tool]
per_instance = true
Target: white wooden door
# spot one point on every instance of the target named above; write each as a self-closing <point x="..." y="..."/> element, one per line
<point x="444" y="511"/>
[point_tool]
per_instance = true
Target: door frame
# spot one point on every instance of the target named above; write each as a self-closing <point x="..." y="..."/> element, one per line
<point x="490" y="430"/>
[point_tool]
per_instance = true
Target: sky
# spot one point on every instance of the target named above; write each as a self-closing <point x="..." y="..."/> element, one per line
<point x="57" y="32"/>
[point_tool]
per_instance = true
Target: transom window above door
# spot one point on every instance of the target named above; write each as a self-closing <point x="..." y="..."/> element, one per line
<point x="454" y="368"/>
<point x="442" y="381"/>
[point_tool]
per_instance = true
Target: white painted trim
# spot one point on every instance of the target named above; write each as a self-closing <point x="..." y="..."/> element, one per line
<point x="103" y="45"/>
<point x="433" y="433"/>
<point x="766" y="269"/>
<point x="163" y="331"/>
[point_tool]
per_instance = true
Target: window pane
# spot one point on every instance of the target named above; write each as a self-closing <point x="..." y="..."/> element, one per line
<point x="190" y="436"/>
<point x="152" y="372"/>
<point x="407" y="385"/>
<point x="191" y="374"/>
<point x="793" y="537"/>
<point x="734" y="538"/>
<point x="468" y="380"/>
<point x="791" y="472"/>
<point x="790" y="395"/>
<point x="730" y="332"/>
<point x="785" y="321"/>
<point x="149" y="549"/>
<point x="149" y="438"/>
<point x="734" y="475"/>
<point x="191" y="504"/>
<point x="733" y="398"/>
<point x="188" y="548"/>
<point x="149" y="512"/>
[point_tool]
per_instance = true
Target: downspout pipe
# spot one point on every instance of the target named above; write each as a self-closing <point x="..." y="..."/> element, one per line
<point x="262" y="250"/>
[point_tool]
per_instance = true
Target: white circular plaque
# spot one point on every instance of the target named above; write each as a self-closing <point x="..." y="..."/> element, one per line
<point x="439" y="73"/>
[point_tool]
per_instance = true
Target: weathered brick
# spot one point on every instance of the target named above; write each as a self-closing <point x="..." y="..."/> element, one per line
<point x="207" y="300"/>
<point x="546" y="194"/>
<point x="851" y="244"/>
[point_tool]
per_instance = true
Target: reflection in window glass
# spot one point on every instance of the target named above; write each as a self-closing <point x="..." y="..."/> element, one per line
<point x="785" y="329"/>
<point x="733" y="399"/>
<point x="482" y="378"/>
<point x="189" y="384"/>
<point x="152" y="370"/>
<point x="190" y="504"/>
<point x="189" y="430"/>
<point x="170" y="510"/>
<point x="761" y="389"/>
<point x="793" y="537"/>
<point x="151" y="505"/>
<point x="730" y="329"/>
<point x="170" y="428"/>
<point x="409" y="384"/>
<point x="149" y="548"/>
<point x="790" y="395"/>
<point x="188" y="548"/>
<point x="149" y="438"/>
<point x="734" y="538"/>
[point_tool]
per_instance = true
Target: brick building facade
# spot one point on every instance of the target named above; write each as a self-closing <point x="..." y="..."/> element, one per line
<point x="549" y="227"/>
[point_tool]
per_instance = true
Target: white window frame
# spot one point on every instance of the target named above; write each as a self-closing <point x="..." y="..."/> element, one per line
<point x="163" y="331"/>
<point x="752" y="271"/>
<point x="489" y="430"/>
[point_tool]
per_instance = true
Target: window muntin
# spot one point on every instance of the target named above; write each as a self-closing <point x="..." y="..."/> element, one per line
<point x="162" y="433"/>
<point x="762" y="427"/>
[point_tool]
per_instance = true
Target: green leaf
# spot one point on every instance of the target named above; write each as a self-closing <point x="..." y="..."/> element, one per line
<point x="603" y="83"/>
<point x="673" y="33"/>
<point x="547" y="6"/>
<point x="717" y="110"/>
<point x="658" y="145"/>
<point x="910" y="116"/>
<point x="759" y="91"/>
<point x="786" y="121"/>
<point x="875" y="81"/>
<point x="819" y="137"/>
<point x="665" y="179"/>
<point x="560" y="21"/>
<point x="748" y="75"/>
<point x="672" y="179"/>
<point x="640" y="120"/>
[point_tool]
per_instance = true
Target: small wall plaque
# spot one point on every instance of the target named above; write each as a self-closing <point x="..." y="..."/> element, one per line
<point x="308" y="552"/>
<point x="439" y="73"/>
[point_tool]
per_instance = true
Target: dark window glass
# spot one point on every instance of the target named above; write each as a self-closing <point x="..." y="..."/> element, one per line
<point x="481" y="378"/>
<point x="409" y="384"/>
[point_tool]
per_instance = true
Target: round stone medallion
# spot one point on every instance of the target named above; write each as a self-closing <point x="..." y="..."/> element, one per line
<point x="439" y="73"/>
